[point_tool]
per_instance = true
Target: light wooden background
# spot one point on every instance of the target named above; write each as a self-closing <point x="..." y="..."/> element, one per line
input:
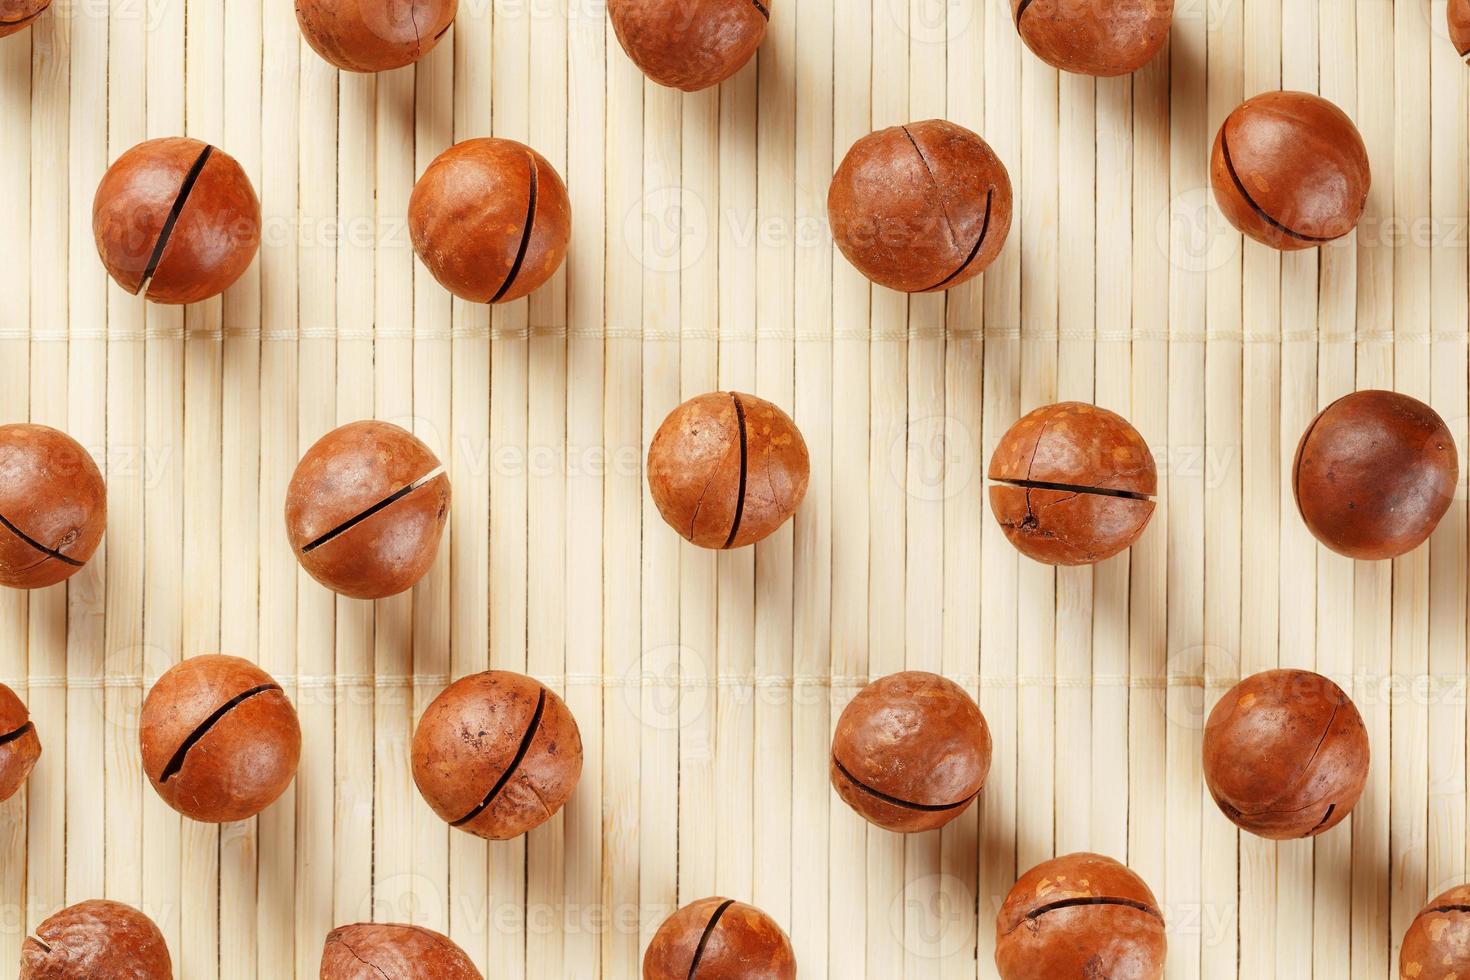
<point x="706" y="685"/>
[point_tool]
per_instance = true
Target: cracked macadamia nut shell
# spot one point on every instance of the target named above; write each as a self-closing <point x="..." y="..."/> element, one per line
<point x="97" y="941"/>
<point x="1077" y="917"/>
<point x="177" y="220"/>
<point x="17" y="15"/>
<point x="1374" y="473"/>
<point x="372" y="951"/>
<point x="366" y="509"/>
<point x="1437" y="944"/>
<point x="490" y="219"/>
<point x="911" y="752"/>
<point x="922" y="207"/>
<point x="374" y="35"/>
<point x="727" y="469"/>
<point x="20" y="746"/>
<point x="690" y="44"/>
<point x="220" y="739"/>
<point x="497" y="754"/>
<point x="719" y="939"/>
<point x="53" y="506"/>
<point x="1290" y="170"/>
<point x="1286" y="754"/>
<point x="1094" y="37"/>
<point x="1072" y="484"/>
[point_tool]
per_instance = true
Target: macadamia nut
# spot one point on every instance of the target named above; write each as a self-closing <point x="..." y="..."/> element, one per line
<point x="1286" y="754"/>
<point x="497" y="754"/>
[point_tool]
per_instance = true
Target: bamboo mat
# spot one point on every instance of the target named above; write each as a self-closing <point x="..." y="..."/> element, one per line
<point x="706" y="684"/>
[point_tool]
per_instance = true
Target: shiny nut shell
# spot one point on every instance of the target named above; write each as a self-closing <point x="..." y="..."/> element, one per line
<point x="497" y="754"/>
<point x="176" y="218"/>
<point x="1286" y="754"/>
<point x="20" y="746"/>
<point x="220" y="740"/>
<point x="1094" y="37"/>
<point x="690" y="44"/>
<point x="490" y="219"/>
<point x="1072" y="484"/>
<point x="17" y="15"/>
<point x="365" y="512"/>
<point x="1080" y="916"/>
<point x="1437" y="944"/>
<point x="911" y="752"/>
<point x="99" y="941"/>
<point x="53" y="506"/>
<point x="922" y="207"/>
<point x="1374" y="473"/>
<point x="719" y="939"/>
<point x="727" y="469"/>
<point x="1290" y="170"/>
<point x="1457" y="12"/>
<point x="374" y="35"/>
<point x="370" y="951"/>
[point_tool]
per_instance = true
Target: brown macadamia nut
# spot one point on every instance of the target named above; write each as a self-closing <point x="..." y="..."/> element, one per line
<point x="176" y="220"/>
<point x="1437" y="945"/>
<point x="374" y="952"/>
<point x="1458" y="14"/>
<point x="1094" y="37"/>
<point x="1077" y="917"/>
<point x="497" y="754"/>
<point x="1290" y="170"/>
<point x="719" y="939"/>
<point x="366" y="509"/>
<point x="922" y="207"/>
<point x="490" y="219"/>
<point x="1074" y="484"/>
<point x="17" y="15"/>
<point x="20" y="746"/>
<point x="690" y="44"/>
<point x="374" y="35"/>
<point x="1286" y="754"/>
<point x="911" y="752"/>
<point x="1374" y="473"/>
<point x="220" y="739"/>
<point x="727" y="469"/>
<point x="53" y="506"/>
<point x="96" y="941"/>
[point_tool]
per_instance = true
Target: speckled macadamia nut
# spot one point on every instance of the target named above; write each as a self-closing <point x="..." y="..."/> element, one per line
<point x="1286" y="754"/>
<point x="17" y="15"/>
<point x="719" y="939"/>
<point x="176" y="220"/>
<point x="490" y="219"/>
<point x="53" y="506"/>
<point x="690" y="44"/>
<point x="727" y="469"/>
<point x="20" y="746"/>
<point x="366" y="509"/>
<point x="1437" y="945"/>
<point x="1374" y="473"/>
<point x="96" y="941"/>
<point x="497" y="754"/>
<point x="375" y="952"/>
<point x="1094" y="37"/>
<point x="911" y="752"/>
<point x="920" y="208"/>
<point x="374" y="35"/>
<point x="220" y="739"/>
<point x="1073" y="484"/>
<point x="1078" y="917"/>
<point x="1290" y="170"/>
